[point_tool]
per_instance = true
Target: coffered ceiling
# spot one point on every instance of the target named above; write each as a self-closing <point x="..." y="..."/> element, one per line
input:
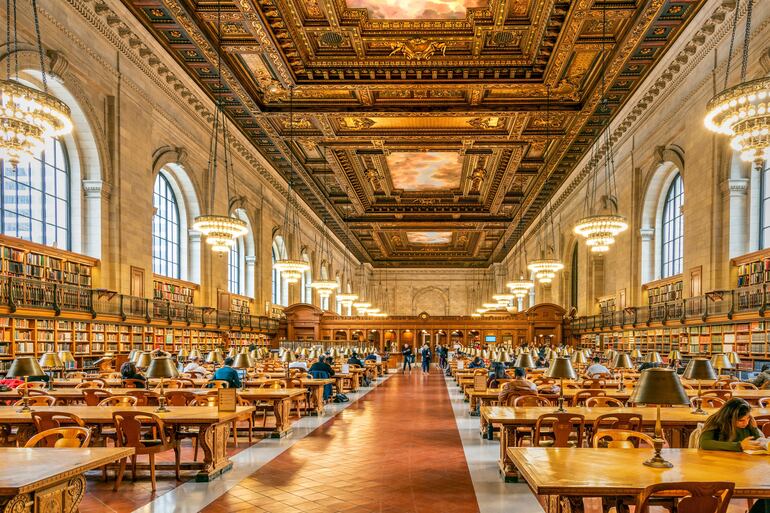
<point x="421" y="130"/>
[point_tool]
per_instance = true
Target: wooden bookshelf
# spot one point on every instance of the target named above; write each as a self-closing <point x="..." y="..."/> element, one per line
<point x="24" y="259"/>
<point x="176" y="291"/>
<point x="606" y="304"/>
<point x="664" y="291"/>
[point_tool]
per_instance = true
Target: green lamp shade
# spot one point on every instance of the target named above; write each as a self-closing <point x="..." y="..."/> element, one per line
<point x="653" y="357"/>
<point x="24" y="366"/>
<point x="622" y="361"/>
<point x="733" y="358"/>
<point x="524" y="361"/>
<point x="720" y="361"/>
<point x="636" y="354"/>
<point x="162" y="367"/>
<point x="242" y="361"/>
<point x="675" y="354"/>
<point x="66" y="356"/>
<point x="183" y="353"/>
<point x="215" y="356"/>
<point x="700" y="368"/>
<point x="659" y="386"/>
<point x="578" y="357"/>
<point x="143" y="360"/>
<point x="561" y="368"/>
<point x="195" y="353"/>
<point x="50" y="361"/>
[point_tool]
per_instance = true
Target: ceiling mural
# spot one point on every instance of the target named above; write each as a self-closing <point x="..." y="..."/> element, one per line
<point x="429" y="237"/>
<point x="421" y="116"/>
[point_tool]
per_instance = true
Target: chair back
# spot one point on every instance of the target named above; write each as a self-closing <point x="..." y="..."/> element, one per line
<point x="593" y="383"/>
<point x="561" y="425"/>
<point x="72" y="436"/>
<point x="627" y="421"/>
<point x="75" y="375"/>
<point x="739" y="385"/>
<point x="543" y="381"/>
<point x="764" y="402"/>
<point x="45" y="420"/>
<point x="93" y="396"/>
<point x="620" y="439"/>
<point x="603" y="402"/>
<point x="37" y="400"/>
<point x="294" y="383"/>
<point x="179" y="397"/>
<point x="33" y="391"/>
<point x="119" y="400"/>
<point x="572" y="386"/>
<point x="205" y="400"/>
<point x="725" y="395"/>
<point x="708" y="402"/>
<point x="130" y="427"/>
<point x="133" y="383"/>
<point x="179" y="383"/>
<point x="32" y="384"/>
<point x="218" y="383"/>
<point x="698" y="497"/>
<point x="763" y="423"/>
<point x="144" y="397"/>
<point x="91" y="383"/>
<point x="528" y="400"/>
<point x="195" y="374"/>
<point x="581" y="395"/>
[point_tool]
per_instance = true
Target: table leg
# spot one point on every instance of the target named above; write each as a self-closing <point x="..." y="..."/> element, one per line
<point x="62" y="497"/>
<point x="212" y="439"/>
<point x="317" y="398"/>
<point x="472" y="403"/>
<point x="507" y="439"/>
<point x="281" y="412"/>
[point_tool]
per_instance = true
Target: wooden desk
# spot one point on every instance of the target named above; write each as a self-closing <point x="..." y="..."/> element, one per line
<point x="281" y="399"/>
<point x="40" y="480"/>
<point x="214" y="427"/>
<point x="677" y="420"/>
<point x="315" y="389"/>
<point x="551" y="472"/>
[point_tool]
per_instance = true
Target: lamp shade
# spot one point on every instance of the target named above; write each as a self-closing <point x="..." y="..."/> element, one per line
<point x="653" y="357"/>
<point x="720" y="361"/>
<point x="143" y="360"/>
<point x="242" y="361"/>
<point x="578" y="357"/>
<point x="215" y="356"/>
<point x="131" y="354"/>
<point x="66" y="357"/>
<point x="524" y="361"/>
<point x="733" y="358"/>
<point x="24" y="366"/>
<point x="674" y="354"/>
<point x="50" y="361"/>
<point x="162" y="367"/>
<point x="622" y="361"/>
<point x="636" y="354"/>
<point x="659" y="386"/>
<point x="136" y="356"/>
<point x="183" y="353"/>
<point x="195" y="353"/>
<point x="700" y="368"/>
<point x="288" y="357"/>
<point x="231" y="353"/>
<point x="561" y="368"/>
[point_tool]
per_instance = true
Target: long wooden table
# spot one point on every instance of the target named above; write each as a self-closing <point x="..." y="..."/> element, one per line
<point x="315" y="389"/>
<point x="46" y="480"/>
<point x="565" y="476"/>
<point x="213" y="425"/>
<point x="678" y="420"/>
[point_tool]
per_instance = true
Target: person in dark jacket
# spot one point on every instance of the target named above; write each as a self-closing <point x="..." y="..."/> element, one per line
<point x="477" y="363"/>
<point x="355" y="360"/>
<point x="322" y="366"/>
<point x="426" y="354"/>
<point x="227" y="373"/>
<point x="128" y="371"/>
<point x="407" y="353"/>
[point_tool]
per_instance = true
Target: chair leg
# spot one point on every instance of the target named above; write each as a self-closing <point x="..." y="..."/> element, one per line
<point x="119" y="477"/>
<point x="152" y="471"/>
<point x="133" y="467"/>
<point x="235" y="432"/>
<point x="195" y="452"/>
<point x="177" y="460"/>
<point x="251" y="428"/>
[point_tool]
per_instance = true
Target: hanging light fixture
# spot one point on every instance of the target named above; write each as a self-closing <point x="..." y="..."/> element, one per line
<point x="347" y="298"/>
<point x="27" y="115"/>
<point x="742" y="112"/>
<point x="291" y="269"/>
<point x="601" y="228"/>
<point x="221" y="232"/>
<point x="324" y="286"/>
<point x="520" y="288"/>
<point x="546" y="267"/>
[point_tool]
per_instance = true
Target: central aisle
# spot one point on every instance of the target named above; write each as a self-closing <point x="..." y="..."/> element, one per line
<point x="397" y="450"/>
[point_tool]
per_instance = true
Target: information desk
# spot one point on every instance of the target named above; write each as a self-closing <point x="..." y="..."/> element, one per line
<point x="563" y="477"/>
<point x="46" y="480"/>
<point x="214" y="427"/>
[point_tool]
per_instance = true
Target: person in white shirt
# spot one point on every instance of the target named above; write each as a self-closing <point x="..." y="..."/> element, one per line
<point x="194" y="366"/>
<point x="299" y="364"/>
<point x="596" y="368"/>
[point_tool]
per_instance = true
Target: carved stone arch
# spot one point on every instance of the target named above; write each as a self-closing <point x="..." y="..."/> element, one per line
<point x="439" y="298"/>
<point x="168" y="155"/>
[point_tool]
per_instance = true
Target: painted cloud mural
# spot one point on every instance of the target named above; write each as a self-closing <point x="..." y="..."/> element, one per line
<point x="425" y="171"/>
<point x="417" y="9"/>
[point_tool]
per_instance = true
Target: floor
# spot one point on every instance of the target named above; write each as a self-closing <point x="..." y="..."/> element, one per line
<point x="407" y="445"/>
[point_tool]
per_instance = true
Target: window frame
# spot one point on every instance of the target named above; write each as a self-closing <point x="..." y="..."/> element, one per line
<point x="672" y="229"/>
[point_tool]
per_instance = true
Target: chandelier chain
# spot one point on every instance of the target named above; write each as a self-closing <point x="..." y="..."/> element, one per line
<point x="15" y="44"/>
<point x="746" y="40"/>
<point x="8" y="38"/>
<point x="732" y="42"/>
<point x="39" y="46"/>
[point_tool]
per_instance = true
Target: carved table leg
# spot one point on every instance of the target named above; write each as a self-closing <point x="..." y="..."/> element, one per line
<point x="507" y="439"/>
<point x="282" y="424"/>
<point x="212" y="439"/>
<point x="63" y="497"/>
<point x="317" y="399"/>
<point x="562" y="504"/>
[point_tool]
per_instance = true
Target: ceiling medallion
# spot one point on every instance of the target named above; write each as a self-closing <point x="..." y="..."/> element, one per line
<point x="417" y="49"/>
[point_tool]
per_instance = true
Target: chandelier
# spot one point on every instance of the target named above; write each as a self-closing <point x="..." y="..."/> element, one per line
<point x="325" y="288"/>
<point x="291" y="270"/>
<point x="28" y="115"/>
<point x="221" y="231"/>
<point x="503" y="299"/>
<point x="361" y="307"/>
<point x="600" y="230"/>
<point x="742" y="112"/>
<point x="521" y="287"/>
<point x="346" y="300"/>
<point x="545" y="269"/>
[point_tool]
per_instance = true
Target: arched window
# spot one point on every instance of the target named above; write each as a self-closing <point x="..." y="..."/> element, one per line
<point x="166" y="232"/>
<point x="280" y="287"/>
<point x="672" y="238"/>
<point x="235" y="268"/>
<point x="764" y="208"/>
<point x="305" y="290"/>
<point x="35" y="198"/>
<point x="573" y="278"/>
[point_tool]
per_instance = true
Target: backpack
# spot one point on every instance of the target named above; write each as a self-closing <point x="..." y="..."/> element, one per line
<point x="341" y="398"/>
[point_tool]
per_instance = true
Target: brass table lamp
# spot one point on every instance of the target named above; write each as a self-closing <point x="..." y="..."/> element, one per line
<point x="524" y="361"/>
<point x="242" y="361"/>
<point x="50" y="362"/>
<point x="215" y="357"/>
<point x="160" y="368"/>
<point x="720" y="362"/>
<point x="622" y="361"/>
<point x="654" y="358"/>
<point x="143" y="361"/>
<point x="636" y="354"/>
<point x="699" y="369"/>
<point x="562" y="369"/>
<point x="195" y="353"/>
<point x="659" y="386"/>
<point x="25" y="367"/>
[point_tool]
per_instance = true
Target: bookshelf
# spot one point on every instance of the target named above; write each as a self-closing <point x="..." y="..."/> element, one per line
<point x="750" y="273"/>
<point x="23" y="259"/>
<point x="176" y="291"/>
<point x="240" y="304"/>
<point x="663" y="291"/>
<point x="606" y="304"/>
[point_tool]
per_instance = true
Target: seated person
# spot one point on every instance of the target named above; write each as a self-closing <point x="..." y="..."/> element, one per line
<point x="496" y="374"/>
<point x="763" y="378"/>
<point x="732" y="428"/>
<point x="128" y="371"/>
<point x="298" y="364"/>
<point x="160" y="353"/>
<point x="519" y="385"/>
<point x="322" y="366"/>
<point x="227" y="373"/>
<point x="596" y="368"/>
<point x="541" y="362"/>
<point x="371" y="356"/>
<point x="355" y="360"/>
<point x="477" y="363"/>
<point x="194" y="366"/>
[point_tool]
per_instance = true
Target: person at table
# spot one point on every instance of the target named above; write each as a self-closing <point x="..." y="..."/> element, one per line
<point x="322" y="366"/>
<point x="129" y="371"/>
<point x="477" y="363"/>
<point x="355" y="360"/>
<point x="407" y="353"/>
<point x="227" y="373"/>
<point x="160" y="353"/>
<point x="596" y="368"/>
<point x="426" y="354"/>
<point x="732" y="428"/>
<point x="496" y="375"/>
<point x="298" y="364"/>
<point x="519" y="385"/>
<point x="762" y="380"/>
<point x="194" y="366"/>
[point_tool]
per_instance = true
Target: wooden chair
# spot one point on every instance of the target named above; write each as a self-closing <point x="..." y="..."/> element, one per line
<point x="74" y="375"/>
<point x="572" y="386"/>
<point x="144" y="397"/>
<point x="130" y="427"/>
<point x="110" y="375"/>
<point x="601" y="375"/>
<point x="46" y="420"/>
<point x="205" y="400"/>
<point x="708" y="402"/>
<point x="764" y="402"/>
<point x="37" y="400"/>
<point x="218" y="383"/>
<point x="700" y="497"/>
<point x="725" y="395"/>
<point x="543" y="381"/>
<point x="73" y="436"/>
<point x="564" y="430"/>
<point x="593" y="383"/>
<point x="603" y="402"/>
<point x="119" y="400"/>
<point x="33" y="391"/>
<point x="620" y="439"/>
<point x="627" y="421"/>
<point x="724" y="382"/>
<point x="763" y="423"/>
<point x="32" y="384"/>
<point x="738" y="385"/>
<point x="581" y="395"/>
<point x="91" y="383"/>
<point x="93" y="396"/>
<point x="179" y="397"/>
<point x="179" y="383"/>
<point x="194" y="374"/>
<point x="133" y="383"/>
<point x="528" y="400"/>
<point x="303" y="400"/>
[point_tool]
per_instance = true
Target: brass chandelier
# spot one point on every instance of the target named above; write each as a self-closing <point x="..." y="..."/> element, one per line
<point x="324" y="286"/>
<point x="520" y="288"/>
<point x="27" y="115"/>
<point x="546" y="267"/>
<point x="742" y="112"/>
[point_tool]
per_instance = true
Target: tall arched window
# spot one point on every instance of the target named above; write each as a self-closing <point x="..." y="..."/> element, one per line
<point x="573" y="278"/>
<point x="671" y="230"/>
<point x="235" y="268"/>
<point x="305" y="290"/>
<point x="166" y="236"/>
<point x="764" y="208"/>
<point x="280" y="287"/>
<point x="35" y="198"/>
